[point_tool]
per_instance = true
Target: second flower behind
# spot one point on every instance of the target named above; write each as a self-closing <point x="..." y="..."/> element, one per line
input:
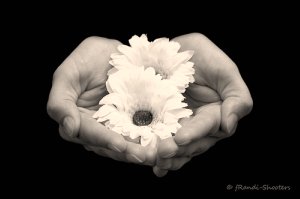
<point x="161" y="54"/>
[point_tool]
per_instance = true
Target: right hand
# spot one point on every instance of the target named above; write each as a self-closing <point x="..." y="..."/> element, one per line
<point x="219" y="98"/>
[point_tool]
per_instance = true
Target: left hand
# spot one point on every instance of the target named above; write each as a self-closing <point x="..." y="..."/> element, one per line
<point x="219" y="98"/>
<point x="78" y="86"/>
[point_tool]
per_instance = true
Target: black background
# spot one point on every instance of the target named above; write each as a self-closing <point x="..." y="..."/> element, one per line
<point x="262" y="151"/>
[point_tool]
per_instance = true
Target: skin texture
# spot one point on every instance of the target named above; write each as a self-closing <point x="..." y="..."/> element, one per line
<point x="219" y="98"/>
<point x="78" y="85"/>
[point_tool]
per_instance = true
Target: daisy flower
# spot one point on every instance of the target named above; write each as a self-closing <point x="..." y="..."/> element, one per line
<point x="161" y="54"/>
<point x="141" y="105"/>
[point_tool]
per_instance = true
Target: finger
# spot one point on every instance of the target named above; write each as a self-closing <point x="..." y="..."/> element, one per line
<point x="159" y="172"/>
<point x="167" y="148"/>
<point x="210" y="62"/>
<point x="77" y="73"/>
<point x="164" y="163"/>
<point x="93" y="55"/>
<point x="136" y="153"/>
<point x="237" y="103"/>
<point x="220" y="134"/>
<point x="95" y="134"/>
<point x="196" y="148"/>
<point x="151" y="154"/>
<point x="129" y="155"/>
<point x="215" y="69"/>
<point x="206" y="120"/>
<point x="103" y="153"/>
<point x="61" y="104"/>
<point x="98" y="150"/>
<point x="173" y="163"/>
<point x="106" y="153"/>
<point x="178" y="163"/>
<point x="87" y="148"/>
<point x="69" y="138"/>
<point x="109" y="154"/>
<point x="202" y="94"/>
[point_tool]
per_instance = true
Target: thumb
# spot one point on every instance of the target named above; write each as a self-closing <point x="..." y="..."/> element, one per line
<point x="61" y="104"/>
<point x="237" y="103"/>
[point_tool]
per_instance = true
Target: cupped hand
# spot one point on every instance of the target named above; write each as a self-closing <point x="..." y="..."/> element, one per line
<point x="219" y="98"/>
<point x="77" y="87"/>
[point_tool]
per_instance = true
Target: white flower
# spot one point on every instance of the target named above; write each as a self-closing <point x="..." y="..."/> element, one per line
<point x="161" y="54"/>
<point x="140" y="104"/>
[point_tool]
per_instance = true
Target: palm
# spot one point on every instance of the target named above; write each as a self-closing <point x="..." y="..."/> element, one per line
<point x="206" y="90"/>
<point x="204" y="96"/>
<point x="84" y="73"/>
<point x="91" y="62"/>
<point x="90" y="97"/>
<point x="79" y="84"/>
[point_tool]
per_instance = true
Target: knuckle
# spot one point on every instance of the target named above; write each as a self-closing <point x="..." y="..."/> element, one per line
<point x="115" y="42"/>
<point x="249" y="103"/>
<point x="91" y="39"/>
<point x="181" y="151"/>
<point x="100" y="41"/>
<point x="197" y="37"/>
<point x="52" y="108"/>
<point x="199" y="151"/>
<point x="226" y="135"/>
<point x="86" y="147"/>
<point x="102" y="152"/>
<point x="56" y="73"/>
<point x="246" y="105"/>
<point x="178" y="165"/>
<point x="203" y="147"/>
<point x="165" y="164"/>
<point x="63" y="135"/>
<point x="151" y="157"/>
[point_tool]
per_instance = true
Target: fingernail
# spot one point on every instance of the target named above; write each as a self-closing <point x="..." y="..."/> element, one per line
<point x="164" y="164"/>
<point x="197" y="153"/>
<point x="169" y="155"/>
<point x="231" y="123"/>
<point x="159" y="172"/>
<point x="114" y="148"/>
<point x="184" y="142"/>
<point x="182" y="138"/>
<point x="134" y="158"/>
<point x="68" y="125"/>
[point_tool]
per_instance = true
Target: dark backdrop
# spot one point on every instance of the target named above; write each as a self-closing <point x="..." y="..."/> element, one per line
<point x="261" y="152"/>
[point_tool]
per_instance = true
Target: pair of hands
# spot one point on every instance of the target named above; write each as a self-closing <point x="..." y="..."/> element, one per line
<point x="219" y="98"/>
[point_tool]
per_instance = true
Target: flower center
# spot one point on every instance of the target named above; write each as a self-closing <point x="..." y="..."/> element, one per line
<point x="142" y="118"/>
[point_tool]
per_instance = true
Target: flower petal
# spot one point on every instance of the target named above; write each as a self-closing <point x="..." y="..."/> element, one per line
<point x="139" y="42"/>
<point x="148" y="76"/>
<point x="113" y="99"/>
<point x="134" y="132"/>
<point x="181" y="113"/>
<point x="174" y="103"/>
<point x="148" y="139"/>
<point x="104" y="111"/>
